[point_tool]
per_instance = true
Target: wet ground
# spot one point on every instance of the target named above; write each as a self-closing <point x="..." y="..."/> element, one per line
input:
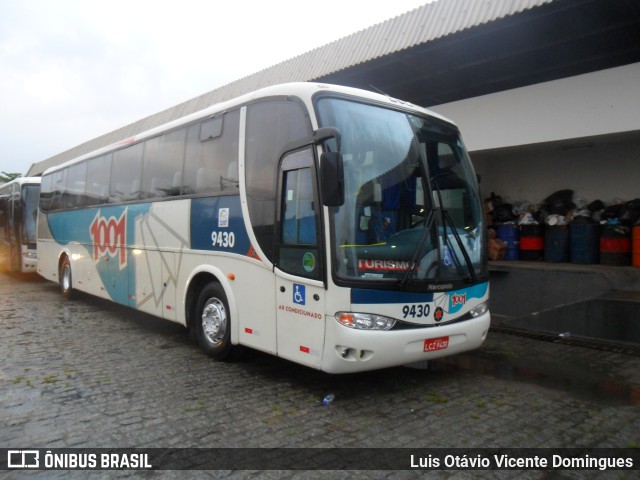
<point x="88" y="373"/>
<point x="613" y="318"/>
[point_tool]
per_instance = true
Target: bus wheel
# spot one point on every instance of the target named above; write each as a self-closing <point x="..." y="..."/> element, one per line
<point x="213" y="323"/>
<point x="66" y="280"/>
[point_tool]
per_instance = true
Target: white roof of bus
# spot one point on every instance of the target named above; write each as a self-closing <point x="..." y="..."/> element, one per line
<point x="22" y="181"/>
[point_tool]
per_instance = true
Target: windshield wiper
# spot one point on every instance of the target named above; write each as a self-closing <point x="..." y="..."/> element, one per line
<point x="446" y="219"/>
<point x="413" y="265"/>
<point x="415" y="260"/>
<point x="465" y="254"/>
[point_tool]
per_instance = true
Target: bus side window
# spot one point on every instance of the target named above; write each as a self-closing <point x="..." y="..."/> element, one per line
<point x="271" y="126"/>
<point x="163" y="157"/>
<point x="75" y="196"/>
<point x="126" y="173"/>
<point x="58" y="189"/>
<point x="98" y="174"/>
<point x="45" y="193"/>
<point x="212" y="146"/>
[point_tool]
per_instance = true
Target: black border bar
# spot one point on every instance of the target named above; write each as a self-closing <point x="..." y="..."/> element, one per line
<point x="602" y="459"/>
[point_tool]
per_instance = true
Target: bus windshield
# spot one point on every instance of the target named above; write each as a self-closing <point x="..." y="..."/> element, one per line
<point x="412" y="213"/>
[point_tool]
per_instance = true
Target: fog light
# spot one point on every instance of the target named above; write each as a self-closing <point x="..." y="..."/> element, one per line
<point x="342" y="351"/>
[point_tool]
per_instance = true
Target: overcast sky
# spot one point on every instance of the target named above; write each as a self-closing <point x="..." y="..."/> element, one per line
<point x="71" y="70"/>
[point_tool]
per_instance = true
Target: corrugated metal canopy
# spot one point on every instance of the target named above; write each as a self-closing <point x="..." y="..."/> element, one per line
<point x="555" y="40"/>
<point x="444" y="51"/>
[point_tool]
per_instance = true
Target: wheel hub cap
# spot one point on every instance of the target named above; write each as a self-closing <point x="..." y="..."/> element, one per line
<point x="214" y="321"/>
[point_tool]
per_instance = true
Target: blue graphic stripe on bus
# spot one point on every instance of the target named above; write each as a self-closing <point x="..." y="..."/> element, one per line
<point x="106" y="233"/>
<point x="217" y="224"/>
<point x="366" y="296"/>
<point x="458" y="298"/>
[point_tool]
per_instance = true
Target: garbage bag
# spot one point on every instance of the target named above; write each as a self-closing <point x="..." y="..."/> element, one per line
<point x="559" y="203"/>
<point x="595" y="206"/>
<point x="612" y="211"/>
<point x="630" y="212"/>
<point x="503" y="213"/>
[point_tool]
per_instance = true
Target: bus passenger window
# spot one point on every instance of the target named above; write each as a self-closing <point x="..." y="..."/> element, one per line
<point x="271" y="126"/>
<point x="75" y="196"/>
<point x="125" y="174"/>
<point x="98" y="174"/>
<point x="212" y="147"/>
<point x="163" y="157"/>
<point x="59" y="189"/>
<point x="46" y="193"/>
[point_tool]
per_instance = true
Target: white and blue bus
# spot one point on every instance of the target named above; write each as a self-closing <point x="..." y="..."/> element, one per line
<point x="18" y="213"/>
<point x="333" y="227"/>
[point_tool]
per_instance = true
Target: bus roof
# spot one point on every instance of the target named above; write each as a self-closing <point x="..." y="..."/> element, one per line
<point x="23" y="181"/>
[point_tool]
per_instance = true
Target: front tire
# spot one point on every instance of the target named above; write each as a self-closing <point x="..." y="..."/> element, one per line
<point x="213" y="322"/>
<point x="66" y="279"/>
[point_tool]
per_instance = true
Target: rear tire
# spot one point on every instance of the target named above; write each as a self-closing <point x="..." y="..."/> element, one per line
<point x="213" y="322"/>
<point x="66" y="279"/>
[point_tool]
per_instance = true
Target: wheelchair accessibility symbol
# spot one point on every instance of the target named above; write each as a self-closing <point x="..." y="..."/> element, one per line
<point x="298" y="294"/>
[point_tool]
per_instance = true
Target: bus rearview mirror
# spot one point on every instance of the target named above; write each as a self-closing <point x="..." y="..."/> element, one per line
<point x="332" y="179"/>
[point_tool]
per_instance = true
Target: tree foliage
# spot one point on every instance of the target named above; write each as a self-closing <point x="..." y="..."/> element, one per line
<point x="7" y="177"/>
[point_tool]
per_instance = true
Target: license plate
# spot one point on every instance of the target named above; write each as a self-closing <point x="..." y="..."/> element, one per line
<point x="433" y="344"/>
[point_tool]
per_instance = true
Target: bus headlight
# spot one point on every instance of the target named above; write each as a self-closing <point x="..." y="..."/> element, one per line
<point x="365" y="321"/>
<point x="479" y="309"/>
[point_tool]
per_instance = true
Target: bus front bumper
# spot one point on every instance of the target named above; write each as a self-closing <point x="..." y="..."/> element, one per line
<point x="349" y="350"/>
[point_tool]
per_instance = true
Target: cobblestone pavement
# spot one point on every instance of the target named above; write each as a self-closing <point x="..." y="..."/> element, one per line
<point x="88" y="373"/>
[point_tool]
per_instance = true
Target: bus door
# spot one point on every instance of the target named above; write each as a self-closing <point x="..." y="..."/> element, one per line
<point x="299" y="272"/>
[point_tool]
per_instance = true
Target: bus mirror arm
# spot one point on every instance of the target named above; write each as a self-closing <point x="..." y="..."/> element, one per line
<point x="323" y="134"/>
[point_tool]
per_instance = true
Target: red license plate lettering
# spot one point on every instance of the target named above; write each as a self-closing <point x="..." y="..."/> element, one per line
<point x="433" y="344"/>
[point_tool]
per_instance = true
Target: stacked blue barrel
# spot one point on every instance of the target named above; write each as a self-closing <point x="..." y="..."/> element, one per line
<point x="584" y="242"/>
<point x="561" y="231"/>
<point x="510" y="234"/>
